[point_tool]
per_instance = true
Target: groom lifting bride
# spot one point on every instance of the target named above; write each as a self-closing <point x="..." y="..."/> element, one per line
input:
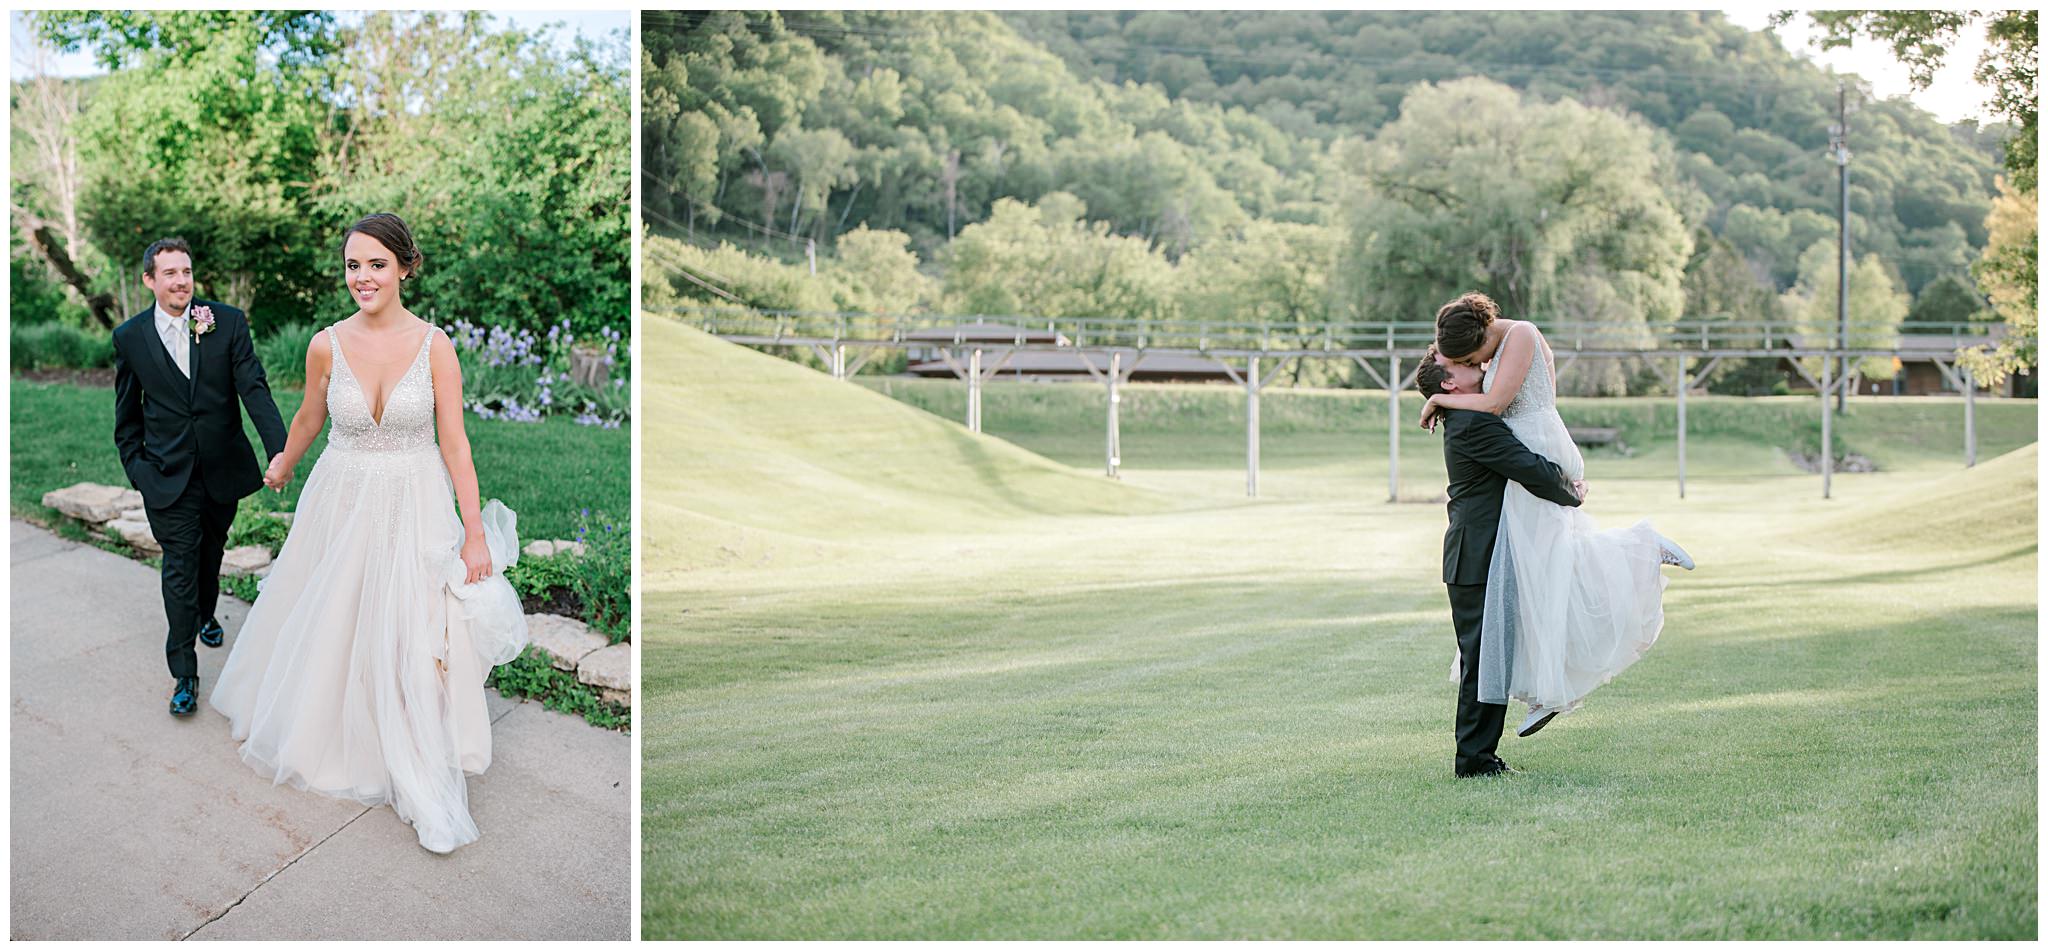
<point x="179" y="368"/>
<point x="1546" y="605"/>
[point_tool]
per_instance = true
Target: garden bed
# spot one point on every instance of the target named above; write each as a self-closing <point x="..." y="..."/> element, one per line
<point x="62" y="435"/>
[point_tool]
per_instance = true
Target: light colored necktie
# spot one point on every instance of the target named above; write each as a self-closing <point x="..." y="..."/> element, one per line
<point x="174" y="341"/>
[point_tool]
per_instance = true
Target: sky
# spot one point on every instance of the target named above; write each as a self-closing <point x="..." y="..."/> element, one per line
<point x="592" y="24"/>
<point x="1954" y="96"/>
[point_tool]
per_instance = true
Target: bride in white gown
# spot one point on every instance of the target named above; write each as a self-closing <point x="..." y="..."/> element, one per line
<point x="1568" y="606"/>
<point x="359" y="672"/>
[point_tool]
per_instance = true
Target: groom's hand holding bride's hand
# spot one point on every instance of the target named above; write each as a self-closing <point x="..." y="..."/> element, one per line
<point x="278" y="475"/>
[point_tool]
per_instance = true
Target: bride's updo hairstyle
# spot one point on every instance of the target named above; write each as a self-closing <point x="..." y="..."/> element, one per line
<point x="1461" y="324"/>
<point x="391" y="232"/>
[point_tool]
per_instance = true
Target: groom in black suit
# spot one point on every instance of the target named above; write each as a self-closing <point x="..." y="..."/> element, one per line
<point x="1480" y="455"/>
<point x="178" y="369"/>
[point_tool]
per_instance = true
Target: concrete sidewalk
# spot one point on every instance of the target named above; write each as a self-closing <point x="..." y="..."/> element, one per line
<point x="129" y="823"/>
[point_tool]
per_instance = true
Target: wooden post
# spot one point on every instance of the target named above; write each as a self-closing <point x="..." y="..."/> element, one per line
<point x="1827" y="430"/>
<point x="1251" y="429"/>
<point x="1969" y="419"/>
<point x="1683" y="385"/>
<point x="1115" y="447"/>
<point x="586" y="367"/>
<point x="974" y="391"/>
<point x="839" y="361"/>
<point x="1393" y="429"/>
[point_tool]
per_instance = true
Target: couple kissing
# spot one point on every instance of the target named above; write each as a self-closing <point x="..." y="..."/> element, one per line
<point x="1546" y="605"/>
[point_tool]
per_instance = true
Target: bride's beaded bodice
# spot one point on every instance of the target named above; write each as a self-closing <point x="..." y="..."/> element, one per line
<point x="408" y="422"/>
<point x="1537" y="394"/>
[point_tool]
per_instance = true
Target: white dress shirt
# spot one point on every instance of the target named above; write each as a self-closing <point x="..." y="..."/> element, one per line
<point x="177" y="337"/>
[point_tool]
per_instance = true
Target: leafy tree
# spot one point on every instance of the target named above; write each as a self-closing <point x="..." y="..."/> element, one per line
<point x="730" y="277"/>
<point x="1049" y="260"/>
<point x="1921" y="39"/>
<point x="878" y="273"/>
<point x="259" y="136"/>
<point x="524" y="164"/>
<point x="206" y="111"/>
<point x="1537" y="205"/>
<point x="1748" y="118"/>
<point x="1271" y="272"/>
<point x="1724" y="287"/>
<point x="2008" y="275"/>
<point x="1950" y="300"/>
<point x="1876" y="306"/>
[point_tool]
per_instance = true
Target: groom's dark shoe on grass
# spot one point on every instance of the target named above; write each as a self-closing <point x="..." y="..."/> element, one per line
<point x="185" y="698"/>
<point x="1496" y="768"/>
<point x="211" y="633"/>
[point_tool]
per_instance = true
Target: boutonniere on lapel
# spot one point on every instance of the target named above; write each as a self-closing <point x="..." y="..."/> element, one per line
<point x="202" y="320"/>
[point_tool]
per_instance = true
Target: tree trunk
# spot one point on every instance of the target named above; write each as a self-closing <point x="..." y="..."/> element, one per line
<point x="52" y="251"/>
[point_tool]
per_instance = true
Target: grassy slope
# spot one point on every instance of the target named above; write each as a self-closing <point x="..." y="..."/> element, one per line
<point x="728" y="428"/>
<point x="62" y="435"/>
<point x="1230" y="719"/>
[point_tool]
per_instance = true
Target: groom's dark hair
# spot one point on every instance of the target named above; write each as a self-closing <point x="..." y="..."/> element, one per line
<point x="160" y="245"/>
<point x="1429" y="377"/>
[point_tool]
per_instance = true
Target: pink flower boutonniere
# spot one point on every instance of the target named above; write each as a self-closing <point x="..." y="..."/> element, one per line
<point x="202" y="321"/>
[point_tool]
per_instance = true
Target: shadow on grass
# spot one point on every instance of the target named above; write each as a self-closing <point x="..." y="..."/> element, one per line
<point x="1875" y="577"/>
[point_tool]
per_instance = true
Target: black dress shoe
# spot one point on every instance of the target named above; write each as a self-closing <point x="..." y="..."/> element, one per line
<point x="211" y="633"/>
<point x="1496" y="768"/>
<point x="185" y="699"/>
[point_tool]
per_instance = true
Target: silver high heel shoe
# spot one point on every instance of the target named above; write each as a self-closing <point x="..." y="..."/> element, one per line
<point x="1671" y="554"/>
<point x="1538" y="719"/>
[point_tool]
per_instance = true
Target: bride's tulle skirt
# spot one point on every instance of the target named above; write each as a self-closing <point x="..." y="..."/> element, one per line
<point x="356" y="674"/>
<point x="1568" y="605"/>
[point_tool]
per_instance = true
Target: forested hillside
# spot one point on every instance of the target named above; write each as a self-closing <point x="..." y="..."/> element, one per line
<point x="1613" y="167"/>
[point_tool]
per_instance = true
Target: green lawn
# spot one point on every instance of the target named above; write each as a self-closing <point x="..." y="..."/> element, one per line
<point x="547" y="472"/>
<point x="1167" y="711"/>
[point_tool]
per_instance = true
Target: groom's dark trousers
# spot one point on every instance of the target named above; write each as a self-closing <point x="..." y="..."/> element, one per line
<point x="182" y="445"/>
<point x="1481" y="455"/>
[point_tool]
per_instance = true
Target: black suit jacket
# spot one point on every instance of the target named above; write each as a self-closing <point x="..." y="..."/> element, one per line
<point x="165" y="424"/>
<point x="1480" y="455"/>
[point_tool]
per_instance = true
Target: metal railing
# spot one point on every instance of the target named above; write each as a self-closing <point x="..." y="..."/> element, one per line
<point x="1694" y="336"/>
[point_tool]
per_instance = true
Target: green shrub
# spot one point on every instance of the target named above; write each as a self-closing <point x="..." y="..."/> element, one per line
<point x="35" y="297"/>
<point x="59" y="346"/>
<point x="602" y="577"/>
<point x="283" y="353"/>
<point x="240" y="586"/>
<point x="535" y="577"/>
<point x="254" y="525"/>
<point x="532" y="675"/>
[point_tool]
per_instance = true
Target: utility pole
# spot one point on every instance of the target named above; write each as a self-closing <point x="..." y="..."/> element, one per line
<point x="1838" y="144"/>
